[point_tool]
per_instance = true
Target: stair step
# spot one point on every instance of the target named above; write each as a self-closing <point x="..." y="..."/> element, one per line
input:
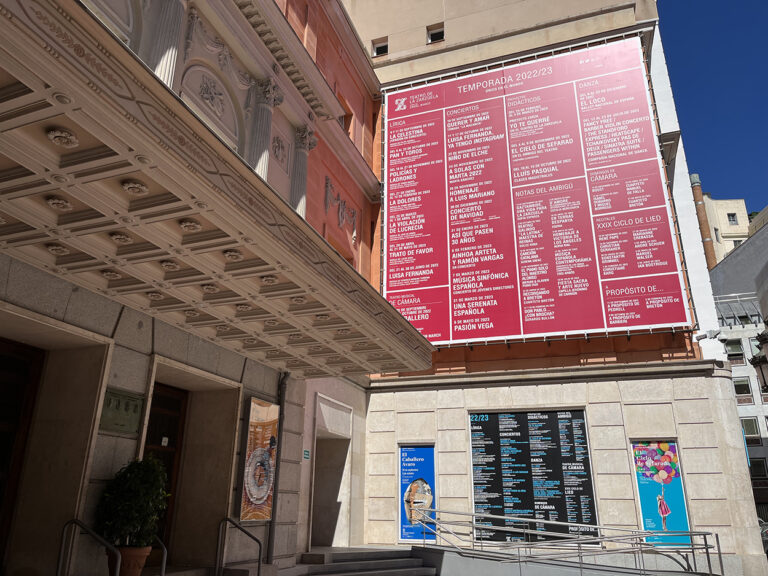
<point x="415" y="571"/>
<point x="176" y="571"/>
<point x="363" y="555"/>
<point x="362" y="565"/>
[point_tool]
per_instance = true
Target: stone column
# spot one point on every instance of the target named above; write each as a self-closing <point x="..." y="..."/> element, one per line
<point x="263" y="96"/>
<point x="305" y="141"/>
<point x="160" y="39"/>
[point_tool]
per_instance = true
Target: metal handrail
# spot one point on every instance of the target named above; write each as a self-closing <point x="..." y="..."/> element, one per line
<point x="97" y="537"/>
<point x="101" y="540"/>
<point x="222" y="542"/>
<point x="562" y="546"/>
<point x="165" y="555"/>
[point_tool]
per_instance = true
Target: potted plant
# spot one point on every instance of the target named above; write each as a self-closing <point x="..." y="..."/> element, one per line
<point x="129" y="510"/>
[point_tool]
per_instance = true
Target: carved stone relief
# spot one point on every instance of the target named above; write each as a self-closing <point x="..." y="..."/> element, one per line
<point x="346" y="216"/>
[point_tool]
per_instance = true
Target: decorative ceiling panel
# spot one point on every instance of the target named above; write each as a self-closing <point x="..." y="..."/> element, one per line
<point x="109" y="181"/>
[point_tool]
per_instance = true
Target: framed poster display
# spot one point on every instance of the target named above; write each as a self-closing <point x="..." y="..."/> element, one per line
<point x="260" y="461"/>
<point x="532" y="465"/>
<point x="417" y="491"/>
<point x="660" y="488"/>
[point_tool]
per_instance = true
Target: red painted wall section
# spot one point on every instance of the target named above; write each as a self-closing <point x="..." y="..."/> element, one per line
<point x="323" y="165"/>
<point x="331" y="53"/>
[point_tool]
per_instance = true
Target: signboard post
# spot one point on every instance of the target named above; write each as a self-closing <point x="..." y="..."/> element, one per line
<point x="531" y="200"/>
<point x="417" y="491"/>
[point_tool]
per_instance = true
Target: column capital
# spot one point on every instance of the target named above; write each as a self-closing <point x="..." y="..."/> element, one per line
<point x="305" y="138"/>
<point x="267" y="92"/>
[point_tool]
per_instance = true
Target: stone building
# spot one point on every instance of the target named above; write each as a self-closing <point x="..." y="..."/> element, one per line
<point x="727" y="221"/>
<point x="186" y="224"/>
<point x="190" y="222"/>
<point x="669" y="384"/>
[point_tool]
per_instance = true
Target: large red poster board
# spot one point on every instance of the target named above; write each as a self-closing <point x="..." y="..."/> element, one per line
<point x="530" y="201"/>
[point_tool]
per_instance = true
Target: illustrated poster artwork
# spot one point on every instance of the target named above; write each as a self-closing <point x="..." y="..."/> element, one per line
<point x="660" y="487"/>
<point x="417" y="491"/>
<point x="260" y="460"/>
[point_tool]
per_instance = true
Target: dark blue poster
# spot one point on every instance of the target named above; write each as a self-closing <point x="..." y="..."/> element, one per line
<point x="417" y="491"/>
<point x="531" y="465"/>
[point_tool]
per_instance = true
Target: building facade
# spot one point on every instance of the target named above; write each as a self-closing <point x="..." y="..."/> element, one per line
<point x="727" y="220"/>
<point x="191" y="229"/>
<point x="187" y="227"/>
<point x="632" y="388"/>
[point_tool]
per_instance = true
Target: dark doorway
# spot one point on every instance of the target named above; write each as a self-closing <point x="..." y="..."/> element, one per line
<point x="20" y="369"/>
<point x="165" y="432"/>
<point x="327" y="493"/>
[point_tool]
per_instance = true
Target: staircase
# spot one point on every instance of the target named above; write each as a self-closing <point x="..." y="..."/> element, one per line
<point x="364" y="562"/>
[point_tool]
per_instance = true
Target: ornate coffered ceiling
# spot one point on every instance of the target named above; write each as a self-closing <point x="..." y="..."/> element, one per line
<point x="109" y="181"/>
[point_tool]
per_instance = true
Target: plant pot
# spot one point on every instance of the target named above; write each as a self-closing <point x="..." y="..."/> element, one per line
<point x="132" y="560"/>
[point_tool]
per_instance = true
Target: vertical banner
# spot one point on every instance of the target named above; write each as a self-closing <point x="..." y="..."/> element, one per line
<point x="417" y="490"/>
<point x="660" y="488"/>
<point x="261" y="456"/>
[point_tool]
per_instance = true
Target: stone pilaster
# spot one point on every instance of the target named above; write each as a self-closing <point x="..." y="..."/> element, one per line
<point x="159" y="46"/>
<point x="305" y="141"/>
<point x="264" y="95"/>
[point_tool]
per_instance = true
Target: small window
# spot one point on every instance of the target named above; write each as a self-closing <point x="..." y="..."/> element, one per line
<point x="751" y="431"/>
<point x="380" y="47"/>
<point x="734" y="351"/>
<point x="737" y="243"/>
<point x="741" y="387"/>
<point x="754" y="346"/>
<point x="717" y="235"/>
<point x="435" y="33"/>
<point x="757" y="468"/>
<point x="732" y="220"/>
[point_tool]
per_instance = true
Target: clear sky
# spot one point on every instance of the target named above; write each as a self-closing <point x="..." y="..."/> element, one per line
<point x="717" y="54"/>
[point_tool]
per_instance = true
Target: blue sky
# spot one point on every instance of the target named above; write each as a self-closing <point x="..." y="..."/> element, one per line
<point x="718" y="60"/>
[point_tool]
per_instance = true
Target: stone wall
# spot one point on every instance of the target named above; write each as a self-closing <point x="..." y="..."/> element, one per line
<point x="691" y="402"/>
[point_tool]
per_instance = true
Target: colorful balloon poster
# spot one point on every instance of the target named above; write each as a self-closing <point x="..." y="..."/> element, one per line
<point x="417" y="491"/>
<point x="660" y="487"/>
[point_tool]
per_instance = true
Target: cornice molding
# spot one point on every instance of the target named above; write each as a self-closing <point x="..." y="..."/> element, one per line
<point x="71" y="52"/>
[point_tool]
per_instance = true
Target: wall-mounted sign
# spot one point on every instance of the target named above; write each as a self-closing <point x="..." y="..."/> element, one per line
<point x="260" y="461"/>
<point x="417" y="491"/>
<point x="122" y="412"/>
<point x="531" y="465"/>
<point x="531" y="200"/>
<point x="660" y="488"/>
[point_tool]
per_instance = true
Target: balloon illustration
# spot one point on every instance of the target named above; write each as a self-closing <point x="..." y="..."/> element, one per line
<point x="658" y="461"/>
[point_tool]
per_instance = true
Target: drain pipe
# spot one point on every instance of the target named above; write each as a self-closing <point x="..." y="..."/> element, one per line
<point x="281" y="386"/>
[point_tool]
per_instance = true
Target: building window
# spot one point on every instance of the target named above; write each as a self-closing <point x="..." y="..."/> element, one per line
<point x="435" y="33"/>
<point x="757" y="468"/>
<point x="741" y="386"/>
<point x="751" y="431"/>
<point x="737" y="243"/>
<point x="754" y="346"/>
<point x="717" y="235"/>
<point x="380" y="47"/>
<point x="735" y="351"/>
<point x="732" y="220"/>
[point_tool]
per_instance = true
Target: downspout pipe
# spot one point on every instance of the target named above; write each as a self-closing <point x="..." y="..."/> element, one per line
<point x="281" y="387"/>
<point x="701" y="213"/>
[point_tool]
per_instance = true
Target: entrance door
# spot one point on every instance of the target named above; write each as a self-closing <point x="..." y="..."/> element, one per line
<point x="165" y="433"/>
<point x="20" y="369"/>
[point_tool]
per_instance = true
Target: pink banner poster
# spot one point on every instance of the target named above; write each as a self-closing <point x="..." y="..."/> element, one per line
<point x="530" y="200"/>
